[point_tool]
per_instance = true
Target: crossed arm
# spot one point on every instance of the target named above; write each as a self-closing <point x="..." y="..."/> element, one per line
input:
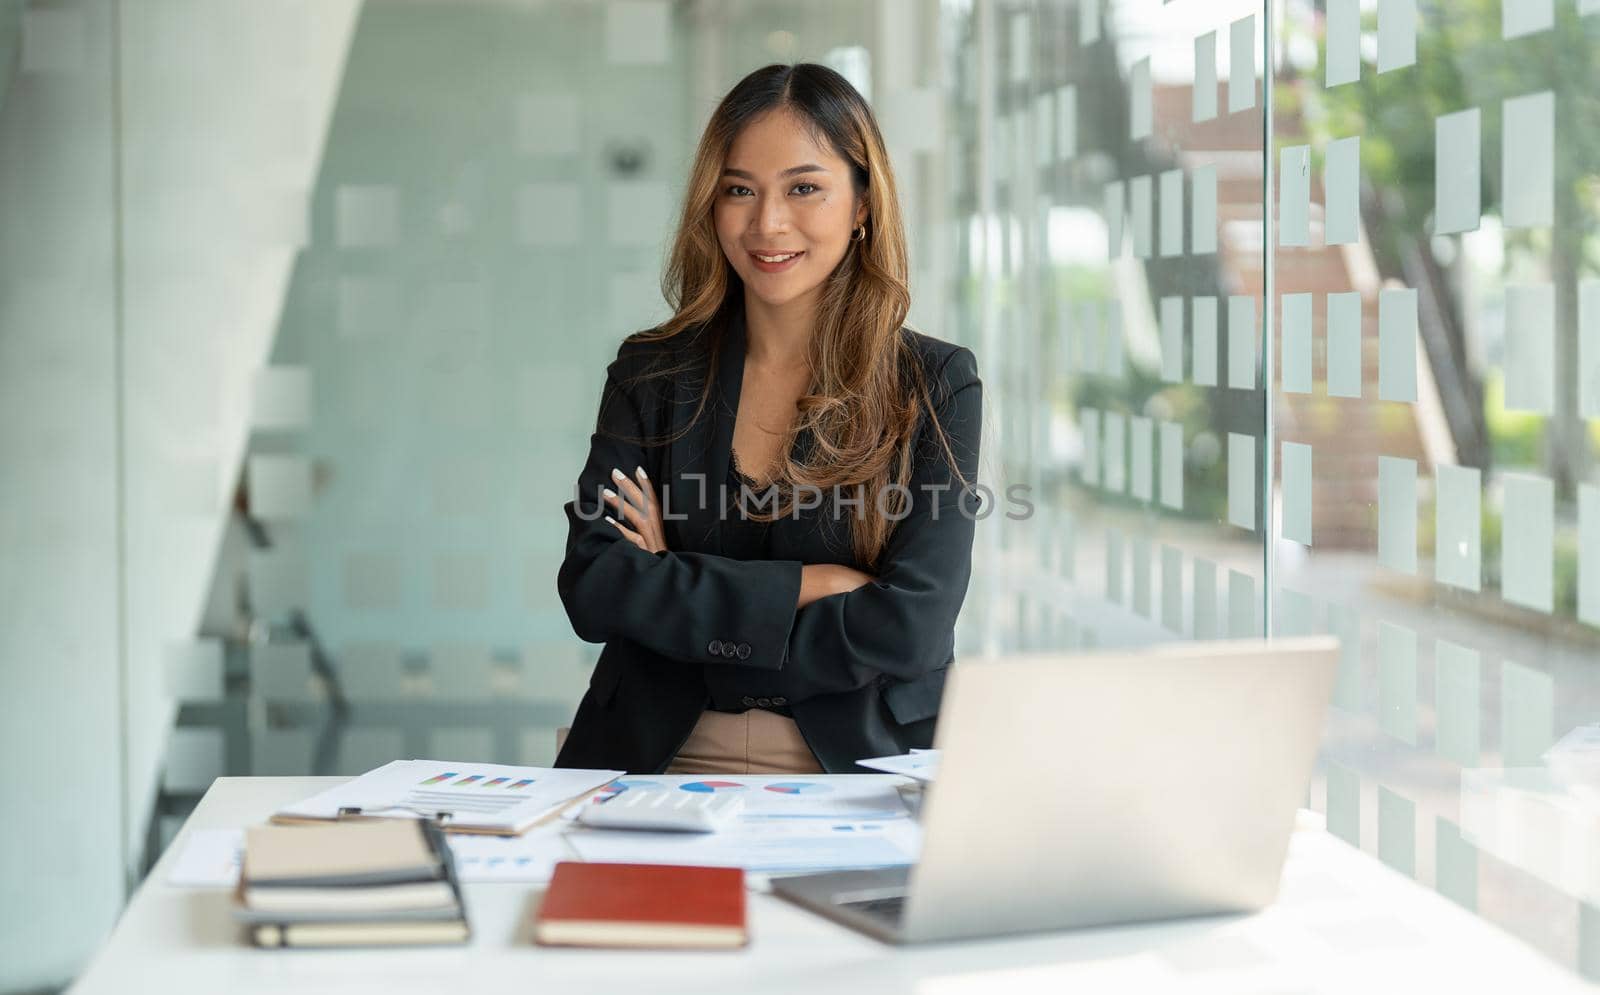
<point x="828" y="629"/>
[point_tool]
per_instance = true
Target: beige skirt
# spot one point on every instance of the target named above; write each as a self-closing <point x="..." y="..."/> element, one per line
<point x="753" y="742"/>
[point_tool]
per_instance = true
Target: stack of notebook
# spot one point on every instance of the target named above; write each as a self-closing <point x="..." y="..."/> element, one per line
<point x="378" y="883"/>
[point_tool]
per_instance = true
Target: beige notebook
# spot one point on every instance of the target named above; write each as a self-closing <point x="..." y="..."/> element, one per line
<point x="346" y="853"/>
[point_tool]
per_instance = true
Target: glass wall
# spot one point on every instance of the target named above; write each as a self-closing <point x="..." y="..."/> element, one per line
<point x="1288" y="315"/>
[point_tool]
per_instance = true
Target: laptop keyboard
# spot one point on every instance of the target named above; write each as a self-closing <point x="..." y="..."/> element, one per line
<point x="887" y="909"/>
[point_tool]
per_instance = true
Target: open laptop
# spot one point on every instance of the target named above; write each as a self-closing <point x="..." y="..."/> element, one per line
<point x="1090" y="789"/>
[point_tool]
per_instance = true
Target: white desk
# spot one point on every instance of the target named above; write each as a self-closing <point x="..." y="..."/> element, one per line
<point x="1344" y="923"/>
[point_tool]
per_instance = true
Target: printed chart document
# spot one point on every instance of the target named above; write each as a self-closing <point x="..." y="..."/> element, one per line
<point x="920" y="764"/>
<point x="794" y="796"/>
<point x="470" y="797"/>
<point x="769" y="846"/>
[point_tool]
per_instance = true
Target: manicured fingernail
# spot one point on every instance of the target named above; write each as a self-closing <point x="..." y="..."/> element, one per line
<point x="640" y="471"/>
<point x="610" y="494"/>
<point x="613" y="521"/>
<point x="618" y="475"/>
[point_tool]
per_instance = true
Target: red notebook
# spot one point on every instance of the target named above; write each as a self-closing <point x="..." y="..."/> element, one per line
<point x="642" y="905"/>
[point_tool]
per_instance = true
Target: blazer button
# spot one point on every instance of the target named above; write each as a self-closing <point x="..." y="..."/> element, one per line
<point x="747" y="701"/>
<point x="764" y="702"/>
<point x="714" y="647"/>
<point x="780" y="701"/>
<point x="743" y="650"/>
<point x="729" y="650"/>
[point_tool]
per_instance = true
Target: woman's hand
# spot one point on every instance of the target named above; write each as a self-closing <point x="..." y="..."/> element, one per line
<point x="637" y="505"/>
<point x="822" y="580"/>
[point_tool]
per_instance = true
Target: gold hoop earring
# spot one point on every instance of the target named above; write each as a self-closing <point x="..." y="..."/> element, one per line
<point x="858" y="233"/>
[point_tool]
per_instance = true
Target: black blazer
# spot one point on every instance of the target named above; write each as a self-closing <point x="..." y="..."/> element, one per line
<point x="862" y="672"/>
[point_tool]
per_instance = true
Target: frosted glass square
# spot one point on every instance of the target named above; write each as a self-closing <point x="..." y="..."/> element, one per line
<point x="1089" y="432"/>
<point x="548" y="125"/>
<point x="1242" y="616"/>
<point x="1172" y="589"/>
<point x="1524" y="17"/>
<point x="53" y="40"/>
<point x="1140" y="547"/>
<point x="1172" y="339"/>
<point x="460" y="581"/>
<point x="369" y="306"/>
<point x="1457" y="530"/>
<point x="1114" y="565"/>
<point x="1115" y="359"/>
<point x="281" y="672"/>
<point x="1344" y="804"/>
<point x="281" y="398"/>
<point x="280" y="486"/>
<point x="1088" y="21"/>
<point x="371" y="671"/>
<point x="1589" y="553"/>
<point x="1205" y="341"/>
<point x="1297" y="493"/>
<point x="194" y="758"/>
<point x="1345" y="623"/>
<point x="1140" y="208"/>
<point x="1044" y="119"/>
<point x="1021" y="49"/>
<point x="1589" y="349"/>
<point x="1203" y="194"/>
<point x="549" y="214"/>
<point x="1242" y="343"/>
<point x="1344" y="344"/>
<point x="1116" y="451"/>
<point x="1294" y="196"/>
<point x="366" y="216"/>
<point x="194" y="670"/>
<point x="1204" y="95"/>
<point x="1141" y="433"/>
<point x="1139" y="100"/>
<point x="1172" y="212"/>
<point x="1397" y="34"/>
<point x="1066" y="122"/>
<point x="1296" y="340"/>
<point x="1397" y="831"/>
<point x="1342" y="192"/>
<point x="1528" y="151"/>
<point x="372" y="580"/>
<point x="1296" y="614"/>
<point x="1242" y="64"/>
<point x="1397" y="682"/>
<point x="463" y="671"/>
<point x="638" y="212"/>
<point x="1530" y="348"/>
<point x="462" y="744"/>
<point x="1527" y="548"/>
<point x="1242" y="480"/>
<point x="1458" y="697"/>
<point x="278" y="581"/>
<point x="1397" y="513"/>
<point x="1527" y="714"/>
<point x="1116" y="208"/>
<point x="1205" y="599"/>
<point x="1172" y="465"/>
<point x="1457" y="203"/>
<point x="1397" y="345"/>
<point x="1343" y="41"/>
<point x="1455" y="865"/>
<point x="638" y="32"/>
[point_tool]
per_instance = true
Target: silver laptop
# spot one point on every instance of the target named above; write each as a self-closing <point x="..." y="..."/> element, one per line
<point x="1090" y="789"/>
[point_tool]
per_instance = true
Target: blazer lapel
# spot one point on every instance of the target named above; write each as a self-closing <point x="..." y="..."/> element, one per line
<point x="700" y="456"/>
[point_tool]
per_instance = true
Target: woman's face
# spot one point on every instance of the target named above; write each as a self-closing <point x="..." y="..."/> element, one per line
<point x="784" y="197"/>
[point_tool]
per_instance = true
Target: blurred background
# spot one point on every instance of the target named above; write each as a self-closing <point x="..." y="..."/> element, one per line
<point x="305" y="307"/>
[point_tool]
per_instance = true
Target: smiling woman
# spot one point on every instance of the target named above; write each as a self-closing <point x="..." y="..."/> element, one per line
<point x="804" y="634"/>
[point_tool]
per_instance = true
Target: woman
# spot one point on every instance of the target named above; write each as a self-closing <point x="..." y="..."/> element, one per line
<point x="773" y="532"/>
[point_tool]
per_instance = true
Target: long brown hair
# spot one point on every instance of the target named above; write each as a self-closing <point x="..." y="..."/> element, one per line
<point x="868" y="392"/>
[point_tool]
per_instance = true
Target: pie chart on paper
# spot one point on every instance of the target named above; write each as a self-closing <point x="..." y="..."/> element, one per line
<point x="707" y="787"/>
<point x="798" y="788"/>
